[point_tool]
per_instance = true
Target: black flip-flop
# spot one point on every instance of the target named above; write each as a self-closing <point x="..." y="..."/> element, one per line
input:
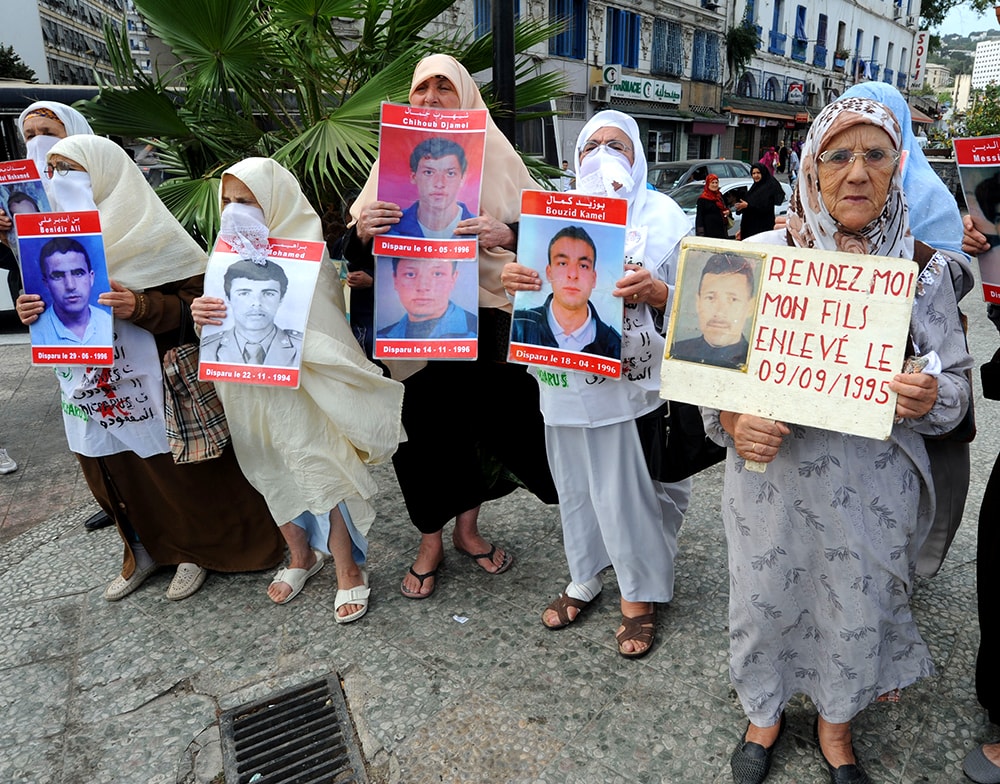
<point x="508" y="558"/>
<point x="433" y="573"/>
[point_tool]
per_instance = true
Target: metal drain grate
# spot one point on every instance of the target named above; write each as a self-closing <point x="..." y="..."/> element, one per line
<point x="302" y="735"/>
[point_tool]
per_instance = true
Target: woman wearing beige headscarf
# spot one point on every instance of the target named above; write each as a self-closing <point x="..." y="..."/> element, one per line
<point x="200" y="516"/>
<point x="306" y="449"/>
<point x="452" y="410"/>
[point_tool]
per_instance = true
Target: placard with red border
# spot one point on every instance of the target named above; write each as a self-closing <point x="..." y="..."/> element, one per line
<point x="33" y="230"/>
<point x="403" y="128"/>
<point x="978" y="162"/>
<point x="301" y="262"/>
<point x="543" y="215"/>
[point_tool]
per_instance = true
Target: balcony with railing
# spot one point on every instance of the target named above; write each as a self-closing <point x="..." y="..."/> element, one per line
<point x="799" y="49"/>
<point x="887" y="75"/>
<point x="819" y="56"/>
<point x="901" y="80"/>
<point x="777" y="42"/>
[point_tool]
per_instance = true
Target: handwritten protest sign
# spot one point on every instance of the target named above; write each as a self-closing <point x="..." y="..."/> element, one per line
<point x="62" y="260"/>
<point x="576" y="243"/>
<point x="431" y="165"/>
<point x="978" y="162"/>
<point x="805" y="336"/>
<point x="267" y="308"/>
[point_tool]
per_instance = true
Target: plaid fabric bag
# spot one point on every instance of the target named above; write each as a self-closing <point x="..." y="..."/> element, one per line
<point x="196" y="424"/>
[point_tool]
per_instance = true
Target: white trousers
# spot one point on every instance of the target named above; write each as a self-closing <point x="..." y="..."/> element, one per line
<point x="612" y="513"/>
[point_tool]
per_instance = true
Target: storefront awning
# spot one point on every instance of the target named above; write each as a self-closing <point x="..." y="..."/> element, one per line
<point x="756" y="107"/>
<point x="919" y="117"/>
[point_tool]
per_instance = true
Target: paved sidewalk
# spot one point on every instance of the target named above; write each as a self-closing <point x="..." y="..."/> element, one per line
<point x="466" y="686"/>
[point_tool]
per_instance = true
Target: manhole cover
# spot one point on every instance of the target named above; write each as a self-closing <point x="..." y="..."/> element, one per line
<point x="297" y="736"/>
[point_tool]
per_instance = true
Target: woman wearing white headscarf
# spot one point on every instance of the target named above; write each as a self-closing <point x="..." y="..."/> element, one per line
<point x="306" y="449"/>
<point x="41" y="125"/>
<point x="200" y="516"/>
<point x="613" y="512"/>
<point x="458" y="444"/>
<point x="823" y="546"/>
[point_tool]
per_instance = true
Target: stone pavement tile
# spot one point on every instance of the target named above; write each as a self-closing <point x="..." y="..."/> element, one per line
<point x="47" y="571"/>
<point x="38" y="761"/>
<point x="427" y="629"/>
<point x="660" y="726"/>
<point x="130" y="671"/>
<point x="477" y="740"/>
<point x="580" y="676"/>
<point x="570" y="767"/>
<point x="33" y="700"/>
<point x="144" y="746"/>
<point x="37" y="631"/>
<point x="392" y="695"/>
<point x="951" y="722"/>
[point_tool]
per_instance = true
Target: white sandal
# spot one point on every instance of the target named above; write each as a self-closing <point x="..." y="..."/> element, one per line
<point x="357" y="595"/>
<point x="187" y="580"/>
<point x="296" y="578"/>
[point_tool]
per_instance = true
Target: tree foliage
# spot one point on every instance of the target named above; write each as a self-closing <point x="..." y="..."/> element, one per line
<point x="933" y="12"/>
<point x="13" y="67"/>
<point x="297" y="80"/>
<point x="983" y="117"/>
<point x="741" y="46"/>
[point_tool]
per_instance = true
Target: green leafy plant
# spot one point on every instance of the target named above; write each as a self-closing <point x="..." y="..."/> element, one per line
<point x="983" y="117"/>
<point x="742" y="42"/>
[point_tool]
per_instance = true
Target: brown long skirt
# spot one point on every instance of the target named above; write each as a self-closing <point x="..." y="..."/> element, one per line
<point x="202" y="513"/>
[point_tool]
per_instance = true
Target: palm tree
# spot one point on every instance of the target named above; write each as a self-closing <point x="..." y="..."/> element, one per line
<point x="297" y="80"/>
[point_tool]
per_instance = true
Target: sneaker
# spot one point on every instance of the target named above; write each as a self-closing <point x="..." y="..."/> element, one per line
<point x="7" y="464"/>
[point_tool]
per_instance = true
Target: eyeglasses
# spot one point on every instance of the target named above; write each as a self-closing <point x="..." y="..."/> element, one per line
<point x="61" y="167"/>
<point x="878" y="158"/>
<point x="614" y="144"/>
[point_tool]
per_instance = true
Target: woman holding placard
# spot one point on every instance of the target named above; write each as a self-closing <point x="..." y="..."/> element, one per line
<point x="450" y="410"/>
<point x="823" y="544"/>
<point x="613" y="512"/>
<point x="306" y="449"/>
<point x="201" y="516"/>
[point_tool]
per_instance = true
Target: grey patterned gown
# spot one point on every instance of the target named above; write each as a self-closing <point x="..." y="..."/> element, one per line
<point x="822" y="546"/>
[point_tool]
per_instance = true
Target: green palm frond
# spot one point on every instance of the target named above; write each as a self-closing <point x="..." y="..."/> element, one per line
<point x="299" y="80"/>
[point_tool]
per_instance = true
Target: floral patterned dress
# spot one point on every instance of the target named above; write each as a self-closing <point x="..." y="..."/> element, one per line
<point x="822" y="546"/>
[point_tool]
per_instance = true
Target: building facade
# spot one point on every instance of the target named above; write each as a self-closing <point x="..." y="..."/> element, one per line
<point x="664" y="62"/>
<point x="62" y="40"/>
<point x="986" y="66"/>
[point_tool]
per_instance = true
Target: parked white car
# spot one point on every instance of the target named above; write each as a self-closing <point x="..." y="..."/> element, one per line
<point x="733" y="189"/>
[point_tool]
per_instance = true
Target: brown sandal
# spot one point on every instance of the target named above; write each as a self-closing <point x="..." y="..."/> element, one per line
<point x="640" y="629"/>
<point x="561" y="605"/>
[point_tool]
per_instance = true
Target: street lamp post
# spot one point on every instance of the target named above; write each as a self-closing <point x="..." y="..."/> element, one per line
<point x="503" y="66"/>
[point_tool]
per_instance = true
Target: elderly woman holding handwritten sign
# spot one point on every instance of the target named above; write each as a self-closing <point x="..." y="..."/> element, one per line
<point x="613" y="512"/>
<point x="460" y="451"/>
<point x="199" y="516"/>
<point x="823" y="543"/>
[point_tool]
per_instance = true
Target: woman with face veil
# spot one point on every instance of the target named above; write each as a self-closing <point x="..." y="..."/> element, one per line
<point x="613" y="512"/>
<point x="463" y="453"/>
<point x="306" y="449"/>
<point x="200" y="516"/>
<point x="823" y="545"/>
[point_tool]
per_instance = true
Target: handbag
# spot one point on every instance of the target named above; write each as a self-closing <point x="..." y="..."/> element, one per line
<point x="674" y="442"/>
<point x="197" y="429"/>
<point x="990" y="375"/>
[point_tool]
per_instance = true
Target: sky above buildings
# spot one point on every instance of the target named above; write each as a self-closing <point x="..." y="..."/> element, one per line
<point x="962" y="20"/>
